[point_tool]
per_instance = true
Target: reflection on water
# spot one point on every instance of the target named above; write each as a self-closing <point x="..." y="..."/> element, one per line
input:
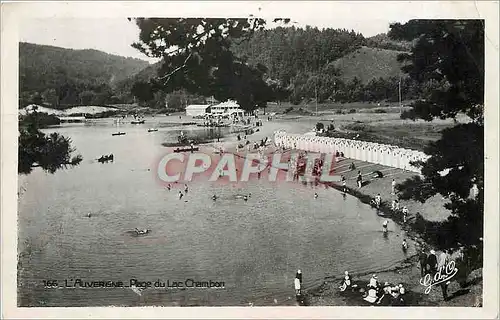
<point x="253" y="246"/>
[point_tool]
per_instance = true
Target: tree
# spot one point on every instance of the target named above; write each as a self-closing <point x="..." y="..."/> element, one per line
<point x="36" y="149"/>
<point x="448" y="60"/>
<point x="197" y="56"/>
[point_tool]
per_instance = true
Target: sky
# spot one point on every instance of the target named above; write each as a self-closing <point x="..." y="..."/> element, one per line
<point x="92" y="27"/>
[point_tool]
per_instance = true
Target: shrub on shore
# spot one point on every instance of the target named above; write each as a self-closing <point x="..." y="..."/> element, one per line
<point x="42" y="119"/>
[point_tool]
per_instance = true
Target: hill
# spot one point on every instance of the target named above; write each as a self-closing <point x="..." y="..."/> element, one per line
<point x="369" y="63"/>
<point x="59" y="76"/>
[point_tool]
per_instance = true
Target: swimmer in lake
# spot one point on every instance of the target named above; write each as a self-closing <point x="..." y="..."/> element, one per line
<point x="180" y="195"/>
<point x="186" y="189"/>
<point x="89" y="215"/>
<point x="214" y="197"/>
<point x="169" y="187"/>
<point x="245" y="198"/>
<point x="315" y="195"/>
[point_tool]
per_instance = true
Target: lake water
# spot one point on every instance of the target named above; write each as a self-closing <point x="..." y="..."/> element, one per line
<point x="254" y="247"/>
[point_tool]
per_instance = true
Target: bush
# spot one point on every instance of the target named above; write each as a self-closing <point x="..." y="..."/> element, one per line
<point x="287" y="110"/>
<point x="331" y="127"/>
<point x="339" y="112"/>
<point x="352" y="111"/>
<point x="409" y="114"/>
<point x="319" y="126"/>
<point x="357" y="127"/>
<point x="42" y="119"/>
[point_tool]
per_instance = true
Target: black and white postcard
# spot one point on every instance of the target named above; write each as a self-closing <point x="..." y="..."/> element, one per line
<point x="291" y="159"/>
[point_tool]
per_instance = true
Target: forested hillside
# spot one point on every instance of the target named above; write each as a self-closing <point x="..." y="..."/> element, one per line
<point x="63" y="77"/>
<point x="330" y="64"/>
<point x="302" y="64"/>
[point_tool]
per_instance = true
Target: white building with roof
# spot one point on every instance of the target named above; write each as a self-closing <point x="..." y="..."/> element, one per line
<point x="195" y="110"/>
<point x="229" y="107"/>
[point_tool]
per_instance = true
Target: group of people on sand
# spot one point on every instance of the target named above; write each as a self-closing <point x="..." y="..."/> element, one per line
<point x="377" y="200"/>
<point x="375" y="293"/>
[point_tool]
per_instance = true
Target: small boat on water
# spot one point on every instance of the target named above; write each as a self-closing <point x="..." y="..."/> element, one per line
<point x="190" y="149"/>
<point x="118" y="134"/>
<point x="152" y="130"/>
<point x="214" y="125"/>
<point x="137" y="121"/>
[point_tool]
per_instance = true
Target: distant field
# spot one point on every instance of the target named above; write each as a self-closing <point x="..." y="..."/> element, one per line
<point x="368" y="63"/>
<point x="334" y="107"/>
<point x="386" y="128"/>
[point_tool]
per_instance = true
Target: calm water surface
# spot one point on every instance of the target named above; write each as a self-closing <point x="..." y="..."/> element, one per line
<point x="254" y="247"/>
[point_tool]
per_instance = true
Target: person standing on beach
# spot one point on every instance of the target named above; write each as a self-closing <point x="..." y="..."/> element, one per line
<point x="443" y="260"/>
<point x="422" y="258"/>
<point x="378" y="200"/>
<point x="373" y="282"/>
<point x="432" y="262"/>
<point x="344" y="182"/>
<point x="297" y="286"/>
<point x="359" y="179"/>
<point x="298" y="275"/>
<point x="404" y="245"/>
<point x="405" y="213"/>
<point x="393" y="186"/>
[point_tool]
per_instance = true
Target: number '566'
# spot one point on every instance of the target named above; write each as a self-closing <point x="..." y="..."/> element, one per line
<point x="50" y="283"/>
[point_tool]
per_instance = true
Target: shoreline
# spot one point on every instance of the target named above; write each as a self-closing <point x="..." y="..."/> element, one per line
<point x="406" y="271"/>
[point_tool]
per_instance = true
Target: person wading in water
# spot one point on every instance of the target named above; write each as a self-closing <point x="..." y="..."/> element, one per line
<point x="384" y="226"/>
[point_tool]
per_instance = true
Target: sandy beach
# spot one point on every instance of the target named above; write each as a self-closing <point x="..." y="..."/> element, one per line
<point x="408" y="272"/>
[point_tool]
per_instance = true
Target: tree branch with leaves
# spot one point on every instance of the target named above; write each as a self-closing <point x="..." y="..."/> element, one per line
<point x="196" y="55"/>
<point x="448" y="59"/>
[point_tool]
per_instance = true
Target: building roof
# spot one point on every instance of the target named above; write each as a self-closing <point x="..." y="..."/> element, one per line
<point x="227" y="104"/>
<point x="197" y="106"/>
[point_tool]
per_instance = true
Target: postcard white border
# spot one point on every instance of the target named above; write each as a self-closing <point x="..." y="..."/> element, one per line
<point x="14" y="13"/>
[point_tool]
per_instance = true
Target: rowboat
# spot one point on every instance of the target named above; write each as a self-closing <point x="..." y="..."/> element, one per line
<point x="118" y="134"/>
<point x="138" y="122"/>
<point x="152" y="130"/>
